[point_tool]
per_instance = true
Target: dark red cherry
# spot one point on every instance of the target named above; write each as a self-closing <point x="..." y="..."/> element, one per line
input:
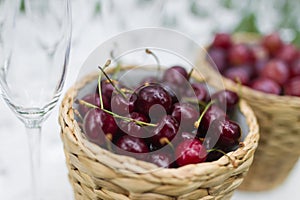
<point x="181" y="136"/>
<point x="186" y="115"/>
<point x="198" y="90"/>
<point x="292" y="87"/>
<point x="190" y="152"/>
<point x="240" y="54"/>
<point x="166" y="129"/>
<point x="222" y="40"/>
<point x="238" y="74"/>
<point x="174" y="91"/>
<point x="259" y="52"/>
<point x="98" y="123"/>
<point x="212" y="113"/>
<point x="259" y="65"/>
<point x="176" y="75"/>
<point x="154" y="97"/>
<point x="121" y="105"/>
<point x="226" y="99"/>
<point x="133" y="128"/>
<point x="132" y="146"/>
<point x="161" y="159"/>
<point x="266" y="85"/>
<point x="218" y="58"/>
<point x="276" y="70"/>
<point x="272" y="43"/>
<point x="92" y="99"/>
<point x="227" y="132"/>
<point x="106" y="88"/>
<point x="287" y="53"/>
<point x="295" y="68"/>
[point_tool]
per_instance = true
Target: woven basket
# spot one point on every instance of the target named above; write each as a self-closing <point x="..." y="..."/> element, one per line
<point x="96" y="173"/>
<point x="279" y="123"/>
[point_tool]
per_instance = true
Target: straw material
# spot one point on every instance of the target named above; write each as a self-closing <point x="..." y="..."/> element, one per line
<point x="279" y="124"/>
<point x="96" y="173"/>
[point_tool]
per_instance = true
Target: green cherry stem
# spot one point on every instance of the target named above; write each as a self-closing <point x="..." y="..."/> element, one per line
<point x="190" y="74"/>
<point x="197" y="123"/>
<point x="99" y="82"/>
<point x="148" y="51"/>
<point x="165" y="140"/>
<point x="112" y="83"/>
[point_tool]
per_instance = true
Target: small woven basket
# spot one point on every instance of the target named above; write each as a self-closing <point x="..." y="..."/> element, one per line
<point x="279" y="123"/>
<point x="96" y="173"/>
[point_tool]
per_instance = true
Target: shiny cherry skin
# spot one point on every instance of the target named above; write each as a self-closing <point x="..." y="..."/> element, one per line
<point x="226" y="99"/>
<point x="132" y="128"/>
<point x="97" y="124"/>
<point x="121" y="105"/>
<point x="154" y="97"/>
<point x="132" y="146"/>
<point x="226" y="131"/>
<point x="266" y="85"/>
<point x="199" y="91"/>
<point x="276" y="70"/>
<point x="190" y="152"/>
<point x="175" y="75"/>
<point x="166" y="129"/>
<point x="94" y="100"/>
<point x="184" y="135"/>
<point x="240" y="54"/>
<point x="210" y="115"/>
<point x="292" y="87"/>
<point x="186" y="115"/>
<point x="161" y="159"/>
<point x="222" y="40"/>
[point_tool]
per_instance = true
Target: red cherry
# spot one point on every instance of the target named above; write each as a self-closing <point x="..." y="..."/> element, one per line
<point x="218" y="58"/>
<point x="132" y="146"/>
<point x="287" y="53"/>
<point x="98" y="123"/>
<point x="190" y="152"/>
<point x="266" y="85"/>
<point x="272" y="43"/>
<point x="222" y="40"/>
<point x="292" y="87"/>
<point x="121" y="105"/>
<point x="240" y="54"/>
<point x="198" y="90"/>
<point x="238" y="74"/>
<point x="277" y="71"/>
<point x="295" y="68"/>
<point x="226" y="99"/>
<point x="176" y="75"/>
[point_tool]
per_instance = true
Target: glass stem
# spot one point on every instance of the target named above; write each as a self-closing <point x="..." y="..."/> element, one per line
<point x="34" y="141"/>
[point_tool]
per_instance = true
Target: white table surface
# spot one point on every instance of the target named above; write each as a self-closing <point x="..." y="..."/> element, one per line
<point x="14" y="162"/>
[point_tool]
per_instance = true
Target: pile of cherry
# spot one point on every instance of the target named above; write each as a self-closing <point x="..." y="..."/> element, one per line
<point x="269" y="65"/>
<point x="161" y="120"/>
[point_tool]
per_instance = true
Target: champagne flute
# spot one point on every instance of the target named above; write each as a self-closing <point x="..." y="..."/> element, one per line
<point x="34" y="54"/>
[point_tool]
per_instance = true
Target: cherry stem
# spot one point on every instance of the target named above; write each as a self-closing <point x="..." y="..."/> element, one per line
<point x="112" y="83"/>
<point x="190" y="74"/>
<point x="148" y="51"/>
<point x="99" y="82"/>
<point x="165" y="140"/>
<point x="234" y="164"/>
<point x="197" y="123"/>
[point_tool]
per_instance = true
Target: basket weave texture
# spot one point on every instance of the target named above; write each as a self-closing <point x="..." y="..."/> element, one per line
<point x="279" y="123"/>
<point x="96" y="173"/>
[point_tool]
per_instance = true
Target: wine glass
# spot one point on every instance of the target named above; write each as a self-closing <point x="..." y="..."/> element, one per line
<point x="34" y="53"/>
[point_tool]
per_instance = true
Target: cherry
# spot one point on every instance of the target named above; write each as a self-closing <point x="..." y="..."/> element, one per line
<point x="272" y="43"/>
<point x="259" y="65"/>
<point x="133" y="128"/>
<point x="165" y="131"/>
<point x="218" y="57"/>
<point x="226" y="99"/>
<point x="222" y="40"/>
<point x="238" y="74"/>
<point x="161" y="159"/>
<point x="190" y="152"/>
<point x="292" y="87"/>
<point x="150" y="96"/>
<point x="186" y="115"/>
<point x="121" y="105"/>
<point x="98" y="123"/>
<point x="266" y="85"/>
<point x="107" y="89"/>
<point x="212" y="113"/>
<point x="240" y="54"/>
<point x="277" y="71"/>
<point x="132" y="146"/>
<point x="176" y="75"/>
<point x="259" y="52"/>
<point x="94" y="100"/>
<point x="295" y="68"/>
<point x="174" y="91"/>
<point x="287" y="53"/>
<point x="226" y="132"/>
<point x="181" y="136"/>
<point x="199" y="90"/>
